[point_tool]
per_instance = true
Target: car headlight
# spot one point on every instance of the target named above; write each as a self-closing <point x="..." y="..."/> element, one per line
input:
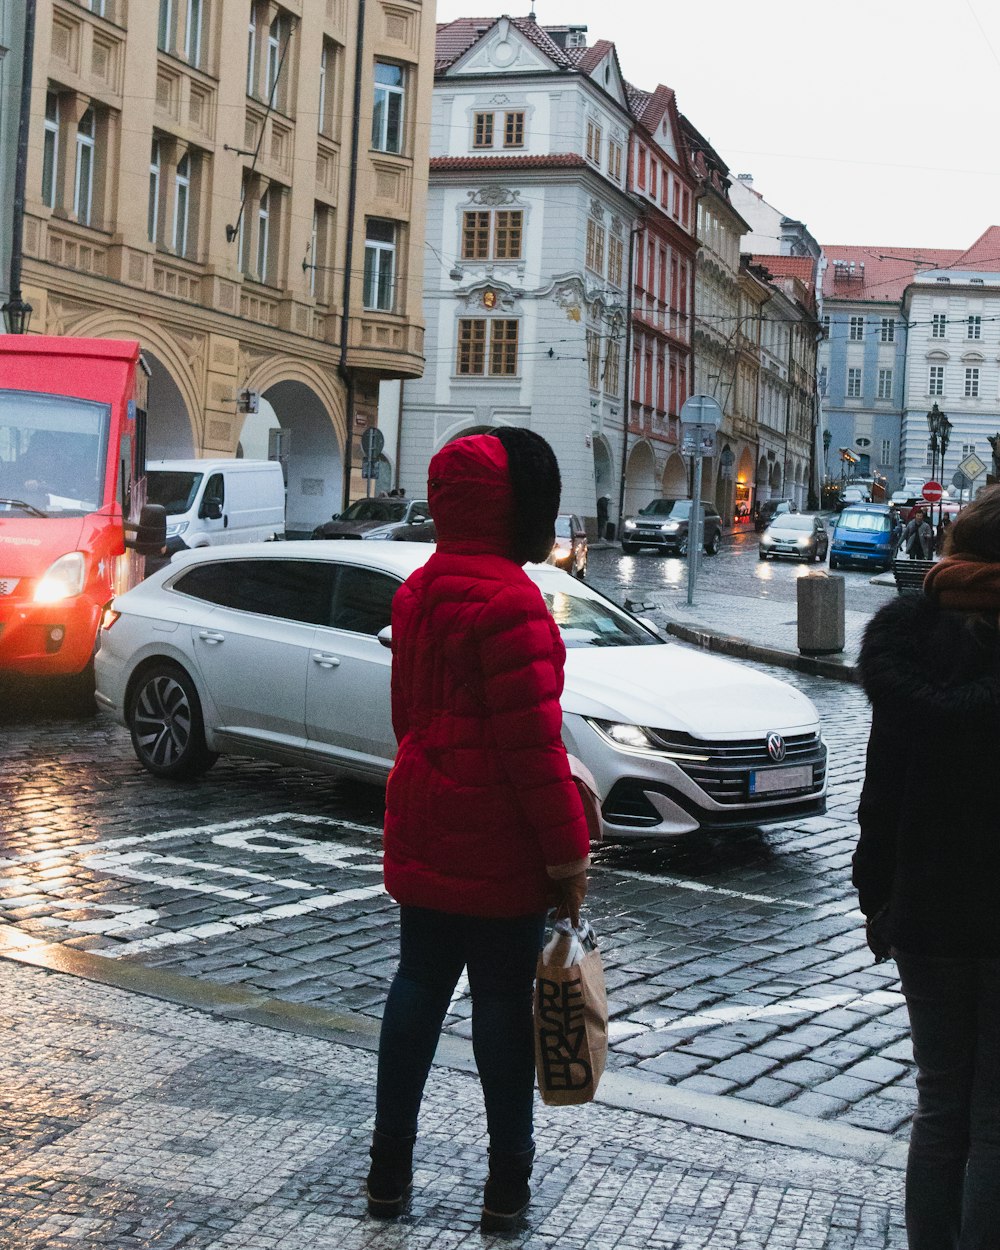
<point x="176" y="529"/>
<point x="630" y="525"/>
<point x="631" y="737"/>
<point x="803" y="542"/>
<point x="670" y="527"/>
<point x="383" y="531"/>
<point x="62" y="580"/>
<point x="766" y="540"/>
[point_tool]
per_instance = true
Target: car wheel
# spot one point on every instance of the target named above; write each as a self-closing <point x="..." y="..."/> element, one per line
<point x="834" y="563"/>
<point x="761" y="555"/>
<point x="629" y="549"/>
<point x="581" y="572"/>
<point x="682" y="546"/>
<point x="713" y="544"/>
<point x="164" y="718"/>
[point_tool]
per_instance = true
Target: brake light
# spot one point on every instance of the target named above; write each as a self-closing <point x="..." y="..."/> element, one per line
<point x="109" y="618"/>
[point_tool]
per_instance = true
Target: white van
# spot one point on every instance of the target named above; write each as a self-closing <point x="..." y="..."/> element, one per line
<point x="210" y="502"/>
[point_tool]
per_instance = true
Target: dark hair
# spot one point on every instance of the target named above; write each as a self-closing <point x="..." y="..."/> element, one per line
<point x="976" y="529"/>
<point x="535" y="486"/>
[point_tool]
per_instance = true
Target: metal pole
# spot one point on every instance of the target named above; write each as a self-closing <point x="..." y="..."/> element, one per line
<point x="21" y="164"/>
<point x="694" y="523"/>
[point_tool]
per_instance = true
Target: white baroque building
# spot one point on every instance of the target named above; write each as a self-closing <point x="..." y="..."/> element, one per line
<point x="528" y="231"/>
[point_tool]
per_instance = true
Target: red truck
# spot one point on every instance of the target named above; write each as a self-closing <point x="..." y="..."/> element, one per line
<point x="74" y="523"/>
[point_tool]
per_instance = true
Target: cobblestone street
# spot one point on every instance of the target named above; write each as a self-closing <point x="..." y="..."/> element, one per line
<point x="742" y="995"/>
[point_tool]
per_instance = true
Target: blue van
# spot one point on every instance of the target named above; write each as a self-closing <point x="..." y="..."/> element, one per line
<point x="863" y="535"/>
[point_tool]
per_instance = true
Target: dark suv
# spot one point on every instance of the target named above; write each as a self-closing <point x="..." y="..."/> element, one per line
<point x="771" y="508"/>
<point x="663" y="523"/>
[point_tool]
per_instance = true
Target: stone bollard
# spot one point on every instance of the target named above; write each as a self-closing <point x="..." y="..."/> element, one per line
<point x="820" y="613"/>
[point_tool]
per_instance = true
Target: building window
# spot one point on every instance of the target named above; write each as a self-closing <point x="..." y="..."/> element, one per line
<point x="968" y="449"/>
<point x="853" y="383"/>
<point x="503" y="348"/>
<point x="612" y="367"/>
<point x="513" y="130"/>
<point x="50" y="149"/>
<point x="263" y="234"/>
<point x="594" y="359"/>
<point x="504" y="228"/>
<point x="614" y="160"/>
<point x="319" y="250"/>
<point x="329" y="74"/>
<point x="272" y="64"/>
<point x="972" y="383"/>
<point x="387" y="117"/>
<point x="83" y="188"/>
<point x="826" y="326"/>
<point x="165" y="28"/>
<point x="192" y="32"/>
<point x="482" y="130"/>
<point x="975" y="328"/>
<point x="885" y="384"/>
<point x="856" y="331"/>
<point x="380" y="265"/>
<point x="886" y="451"/>
<point x="472" y="347"/>
<point x="616" y="260"/>
<point x="640" y="161"/>
<point x="97" y="6"/>
<point x="938" y="323"/>
<point x="595" y="246"/>
<point x="182" y="204"/>
<point x="888" y="331"/>
<point x="935" y="380"/>
<point x="593" y="143"/>
<point x="153" y="210"/>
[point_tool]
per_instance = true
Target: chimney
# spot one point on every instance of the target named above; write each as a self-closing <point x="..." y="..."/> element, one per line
<point x="746" y="179"/>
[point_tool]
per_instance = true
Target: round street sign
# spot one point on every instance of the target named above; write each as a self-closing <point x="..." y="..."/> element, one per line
<point x="960" y="481"/>
<point x="701" y="410"/>
<point x="932" y="492"/>
<point x="372" y="442"/>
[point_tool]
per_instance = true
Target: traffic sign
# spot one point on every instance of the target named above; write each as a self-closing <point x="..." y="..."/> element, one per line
<point x="960" y="481"/>
<point x="372" y="442"/>
<point x="972" y="466"/>
<point x="698" y="439"/>
<point x="701" y="410"/>
<point x="932" y="492"/>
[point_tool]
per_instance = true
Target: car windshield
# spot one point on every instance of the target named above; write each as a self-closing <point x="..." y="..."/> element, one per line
<point x="52" y="454"/>
<point x="384" y="510"/>
<point x="870" y="522"/>
<point x="679" y="509"/>
<point x="563" y="527"/>
<point x="591" y="622"/>
<point x="794" y="522"/>
<point x="173" y="489"/>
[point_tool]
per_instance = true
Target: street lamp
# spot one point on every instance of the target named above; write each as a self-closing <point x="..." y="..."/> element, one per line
<point x="17" y="311"/>
<point x="940" y="428"/>
<point x="827" y="440"/>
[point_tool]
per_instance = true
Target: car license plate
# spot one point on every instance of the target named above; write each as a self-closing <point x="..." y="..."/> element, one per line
<point x="772" y="780"/>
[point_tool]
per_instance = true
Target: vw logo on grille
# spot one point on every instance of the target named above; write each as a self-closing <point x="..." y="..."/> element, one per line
<point x="776" y="747"/>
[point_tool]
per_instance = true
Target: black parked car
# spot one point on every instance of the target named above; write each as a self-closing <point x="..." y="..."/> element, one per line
<point x="663" y="523"/>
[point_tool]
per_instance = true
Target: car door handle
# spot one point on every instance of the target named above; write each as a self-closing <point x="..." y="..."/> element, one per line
<point x="209" y="635"/>
<point x="324" y="660"/>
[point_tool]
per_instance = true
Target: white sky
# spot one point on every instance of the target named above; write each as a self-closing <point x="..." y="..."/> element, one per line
<point x="873" y="121"/>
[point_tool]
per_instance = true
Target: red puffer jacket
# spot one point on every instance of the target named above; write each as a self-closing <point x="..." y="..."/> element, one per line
<point x="480" y="803"/>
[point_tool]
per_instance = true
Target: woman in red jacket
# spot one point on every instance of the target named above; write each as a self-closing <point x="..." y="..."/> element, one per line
<point x="484" y="829"/>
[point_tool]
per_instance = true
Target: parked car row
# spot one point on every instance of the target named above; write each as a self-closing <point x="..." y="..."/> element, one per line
<point x="280" y="650"/>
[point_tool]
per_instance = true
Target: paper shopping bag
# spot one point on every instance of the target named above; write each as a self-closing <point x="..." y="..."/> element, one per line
<point x="571" y="1016"/>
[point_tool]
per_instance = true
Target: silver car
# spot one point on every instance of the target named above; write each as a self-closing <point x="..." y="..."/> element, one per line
<point x="796" y="536"/>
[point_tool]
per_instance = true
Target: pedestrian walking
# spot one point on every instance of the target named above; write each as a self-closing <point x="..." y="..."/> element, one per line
<point x="484" y="828"/>
<point x="918" y="536"/>
<point x="927" y="870"/>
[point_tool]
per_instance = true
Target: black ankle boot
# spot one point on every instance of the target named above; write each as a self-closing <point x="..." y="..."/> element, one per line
<point x="390" y="1177"/>
<point x="506" y="1196"/>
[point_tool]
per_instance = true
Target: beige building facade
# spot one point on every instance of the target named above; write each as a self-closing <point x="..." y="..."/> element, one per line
<point x="234" y="182"/>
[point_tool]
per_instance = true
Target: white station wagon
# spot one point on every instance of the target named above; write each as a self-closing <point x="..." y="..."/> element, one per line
<point x="280" y="650"/>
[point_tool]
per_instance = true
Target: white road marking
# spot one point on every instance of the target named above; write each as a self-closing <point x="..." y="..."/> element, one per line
<point x="790" y="1007"/>
<point x="700" y="887"/>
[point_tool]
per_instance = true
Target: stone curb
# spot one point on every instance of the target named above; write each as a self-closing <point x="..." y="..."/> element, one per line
<point x="618" y="1089"/>
<point x="743" y="649"/>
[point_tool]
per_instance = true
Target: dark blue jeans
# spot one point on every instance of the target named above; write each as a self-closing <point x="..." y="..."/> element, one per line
<point x="500" y="955"/>
<point x="953" y="1171"/>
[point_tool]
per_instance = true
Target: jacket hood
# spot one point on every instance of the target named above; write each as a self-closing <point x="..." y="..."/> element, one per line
<point x="470" y="497"/>
<point x="933" y="664"/>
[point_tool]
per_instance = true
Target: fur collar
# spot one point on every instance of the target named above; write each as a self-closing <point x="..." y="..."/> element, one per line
<point x="932" y="664"/>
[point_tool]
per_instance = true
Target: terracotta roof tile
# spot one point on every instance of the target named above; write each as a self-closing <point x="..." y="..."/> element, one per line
<point x="887" y="272"/>
<point x="455" y="38"/>
<point x="984" y="254"/>
<point x="556" y="160"/>
<point x="801" y="267"/>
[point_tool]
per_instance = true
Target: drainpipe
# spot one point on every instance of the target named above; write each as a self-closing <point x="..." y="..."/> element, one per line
<point x="345" y="318"/>
<point x="17" y="313"/>
<point x="627" y="398"/>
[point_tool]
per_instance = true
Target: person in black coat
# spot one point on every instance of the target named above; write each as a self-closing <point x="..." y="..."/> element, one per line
<point x="927" y="870"/>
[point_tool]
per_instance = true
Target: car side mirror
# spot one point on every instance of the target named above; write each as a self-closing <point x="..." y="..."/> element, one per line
<point x="211" y="510"/>
<point x="149" y="537"/>
<point x="385" y="636"/>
